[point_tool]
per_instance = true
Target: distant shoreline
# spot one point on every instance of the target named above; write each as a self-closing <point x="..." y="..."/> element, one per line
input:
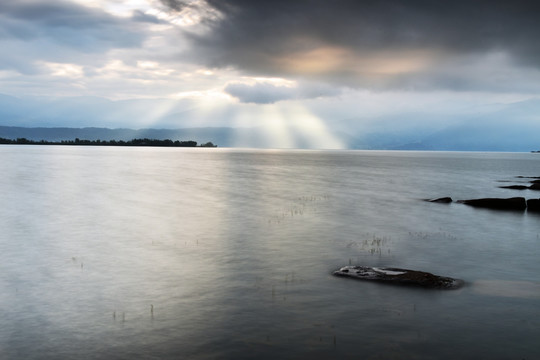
<point x="133" y="142"/>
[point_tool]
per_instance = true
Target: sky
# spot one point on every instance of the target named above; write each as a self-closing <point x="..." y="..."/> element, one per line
<point x="323" y="68"/>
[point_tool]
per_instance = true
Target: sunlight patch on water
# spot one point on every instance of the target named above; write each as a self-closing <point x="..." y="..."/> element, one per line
<point x="507" y="288"/>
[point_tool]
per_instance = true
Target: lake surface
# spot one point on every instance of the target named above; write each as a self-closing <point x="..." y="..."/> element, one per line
<point x="122" y="253"/>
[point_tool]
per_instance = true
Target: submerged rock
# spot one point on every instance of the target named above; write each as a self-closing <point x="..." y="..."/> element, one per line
<point x="443" y="200"/>
<point x="515" y="203"/>
<point x="515" y="187"/>
<point x="399" y="277"/>
<point x="533" y="205"/>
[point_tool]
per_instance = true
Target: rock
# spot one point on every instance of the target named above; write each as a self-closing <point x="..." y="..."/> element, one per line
<point x="535" y="186"/>
<point x="515" y="187"/>
<point x="515" y="203"/>
<point x="399" y="277"/>
<point x="444" y="200"/>
<point x="533" y="205"/>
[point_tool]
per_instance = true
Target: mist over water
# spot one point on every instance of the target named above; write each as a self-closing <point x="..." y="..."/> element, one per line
<point x="228" y="253"/>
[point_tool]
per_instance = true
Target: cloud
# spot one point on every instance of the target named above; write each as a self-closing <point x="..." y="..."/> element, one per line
<point x="140" y="16"/>
<point x="59" y="31"/>
<point x="176" y="5"/>
<point x="268" y="91"/>
<point x="372" y="44"/>
<point x="259" y="93"/>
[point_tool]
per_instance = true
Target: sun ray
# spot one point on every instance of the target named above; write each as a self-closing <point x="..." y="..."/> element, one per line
<point x="284" y="127"/>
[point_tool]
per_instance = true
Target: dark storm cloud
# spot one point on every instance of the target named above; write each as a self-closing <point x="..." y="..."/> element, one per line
<point x="263" y="37"/>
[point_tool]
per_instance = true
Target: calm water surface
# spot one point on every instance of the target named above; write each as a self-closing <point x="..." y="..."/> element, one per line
<point x="227" y="254"/>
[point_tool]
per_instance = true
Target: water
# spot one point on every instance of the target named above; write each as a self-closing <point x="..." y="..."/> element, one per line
<point x="219" y="253"/>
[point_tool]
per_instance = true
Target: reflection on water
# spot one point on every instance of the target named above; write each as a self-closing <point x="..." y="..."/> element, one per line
<point x="506" y="288"/>
<point x="216" y="253"/>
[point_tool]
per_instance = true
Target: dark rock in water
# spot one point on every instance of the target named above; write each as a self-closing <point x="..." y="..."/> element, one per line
<point x="533" y="205"/>
<point x="399" y="277"/>
<point x="535" y="186"/>
<point x="443" y="200"/>
<point x="515" y="203"/>
<point x="515" y="187"/>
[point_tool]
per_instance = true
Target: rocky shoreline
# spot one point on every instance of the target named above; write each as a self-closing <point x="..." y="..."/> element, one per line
<point x="513" y="203"/>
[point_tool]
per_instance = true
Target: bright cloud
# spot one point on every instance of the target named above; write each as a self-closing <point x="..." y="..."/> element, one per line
<point x="64" y="70"/>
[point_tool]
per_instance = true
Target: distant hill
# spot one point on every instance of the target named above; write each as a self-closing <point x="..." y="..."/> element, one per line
<point x="513" y="127"/>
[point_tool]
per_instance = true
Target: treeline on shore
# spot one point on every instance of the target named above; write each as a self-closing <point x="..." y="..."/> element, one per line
<point x="133" y="142"/>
